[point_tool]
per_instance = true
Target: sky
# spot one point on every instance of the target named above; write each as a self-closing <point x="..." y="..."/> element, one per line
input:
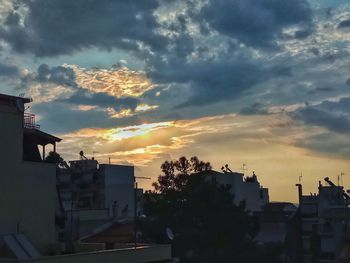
<point x="260" y="85"/>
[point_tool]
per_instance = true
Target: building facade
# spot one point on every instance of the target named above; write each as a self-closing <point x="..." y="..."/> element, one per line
<point x="31" y="205"/>
<point x="243" y="189"/>
<point x="325" y="224"/>
<point x="27" y="184"/>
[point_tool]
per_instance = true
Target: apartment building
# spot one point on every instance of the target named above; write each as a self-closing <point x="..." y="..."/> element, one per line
<point x="325" y="223"/>
<point x="30" y="204"/>
<point x="247" y="189"/>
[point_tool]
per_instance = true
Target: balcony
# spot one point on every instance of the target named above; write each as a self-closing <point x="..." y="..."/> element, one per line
<point x="29" y="121"/>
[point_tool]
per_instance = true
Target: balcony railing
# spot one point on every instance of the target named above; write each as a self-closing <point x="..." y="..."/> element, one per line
<point x="29" y="121"/>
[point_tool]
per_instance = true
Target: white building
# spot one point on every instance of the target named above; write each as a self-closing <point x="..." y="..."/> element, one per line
<point x="118" y="182"/>
<point x="94" y="194"/>
<point x="325" y="223"/>
<point x="96" y="186"/>
<point x="246" y="189"/>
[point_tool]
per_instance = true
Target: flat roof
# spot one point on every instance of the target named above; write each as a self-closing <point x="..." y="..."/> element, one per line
<point x="213" y="172"/>
<point x="41" y="137"/>
<point x="4" y="97"/>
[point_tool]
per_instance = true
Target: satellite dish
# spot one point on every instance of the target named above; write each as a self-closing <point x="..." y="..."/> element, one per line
<point x="20" y="105"/>
<point x="169" y="233"/>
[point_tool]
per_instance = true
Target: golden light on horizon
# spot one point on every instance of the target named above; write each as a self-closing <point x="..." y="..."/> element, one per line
<point x="267" y="144"/>
<point x="119" y="134"/>
<point x="129" y="112"/>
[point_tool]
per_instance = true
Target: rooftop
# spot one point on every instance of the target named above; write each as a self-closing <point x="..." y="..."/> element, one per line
<point x="8" y="98"/>
<point x="40" y="137"/>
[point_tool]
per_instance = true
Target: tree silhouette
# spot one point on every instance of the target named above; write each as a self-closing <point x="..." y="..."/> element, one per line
<point x="176" y="173"/>
<point x="207" y="225"/>
<point x="54" y="157"/>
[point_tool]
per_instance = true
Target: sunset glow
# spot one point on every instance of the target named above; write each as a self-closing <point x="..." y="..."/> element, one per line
<point x="232" y="82"/>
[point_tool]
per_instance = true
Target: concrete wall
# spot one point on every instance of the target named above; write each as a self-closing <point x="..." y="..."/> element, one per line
<point x="251" y="195"/>
<point x="11" y="123"/>
<point x="119" y="186"/>
<point x="243" y="191"/>
<point x="235" y="181"/>
<point x="139" y="255"/>
<point x="27" y="190"/>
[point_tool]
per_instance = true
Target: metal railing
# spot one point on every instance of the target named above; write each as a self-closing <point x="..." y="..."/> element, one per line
<point x="29" y="121"/>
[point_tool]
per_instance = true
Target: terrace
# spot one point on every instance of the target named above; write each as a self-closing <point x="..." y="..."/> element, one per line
<point x="29" y="121"/>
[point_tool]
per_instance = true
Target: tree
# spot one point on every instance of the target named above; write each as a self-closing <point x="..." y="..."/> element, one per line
<point x="207" y="225"/>
<point x="54" y="157"/>
<point x="176" y="173"/>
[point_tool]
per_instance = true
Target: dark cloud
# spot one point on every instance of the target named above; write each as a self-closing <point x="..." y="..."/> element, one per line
<point x="210" y="81"/>
<point x="335" y="116"/>
<point x="321" y="89"/>
<point x="328" y="144"/>
<point x="83" y="97"/>
<point x="341" y="106"/>
<point x="227" y="73"/>
<point x="8" y="70"/>
<point x="55" y="27"/>
<point x="59" y="75"/>
<point x="314" y="51"/>
<point x="254" y="109"/>
<point x="257" y="23"/>
<point x="12" y="18"/>
<point x="301" y="34"/>
<point x="59" y="117"/>
<point x="281" y="71"/>
<point x="344" y="24"/>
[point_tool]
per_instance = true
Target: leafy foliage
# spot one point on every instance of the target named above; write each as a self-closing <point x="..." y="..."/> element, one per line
<point x="207" y="225"/>
<point x="176" y="173"/>
<point x="54" y="157"/>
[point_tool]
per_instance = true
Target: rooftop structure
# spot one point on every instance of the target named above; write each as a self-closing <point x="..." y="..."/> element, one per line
<point x="94" y="194"/>
<point x="325" y="223"/>
<point x="247" y="189"/>
<point x="27" y="184"/>
<point x="29" y="214"/>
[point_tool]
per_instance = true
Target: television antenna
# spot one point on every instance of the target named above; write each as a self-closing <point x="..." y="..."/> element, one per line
<point x="82" y="156"/>
<point x="93" y="154"/>
<point x="341" y="178"/>
<point x="225" y="169"/>
<point x="244" y="168"/>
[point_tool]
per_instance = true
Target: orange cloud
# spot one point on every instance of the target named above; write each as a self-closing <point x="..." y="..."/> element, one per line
<point x="117" y="82"/>
<point x="267" y="144"/>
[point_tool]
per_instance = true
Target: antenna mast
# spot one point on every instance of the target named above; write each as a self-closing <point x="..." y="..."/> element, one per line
<point x="341" y="178"/>
<point x="244" y="168"/>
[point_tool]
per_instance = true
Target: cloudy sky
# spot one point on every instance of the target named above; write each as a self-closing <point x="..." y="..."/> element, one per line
<point x="264" y="83"/>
